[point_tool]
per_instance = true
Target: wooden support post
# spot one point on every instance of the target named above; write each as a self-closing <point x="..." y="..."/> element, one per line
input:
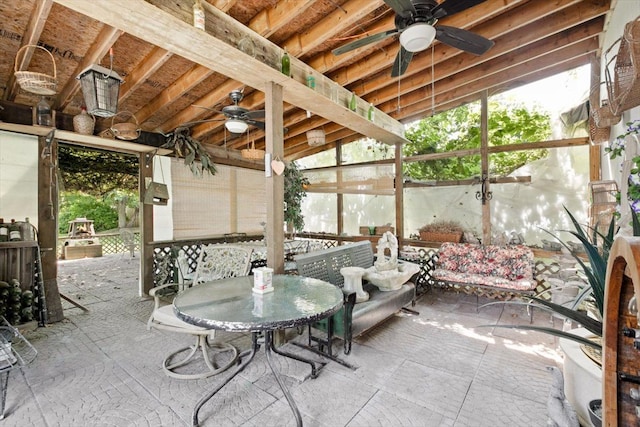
<point x="145" y="170"/>
<point x="274" y="138"/>
<point x="399" y="193"/>
<point x="48" y="224"/>
<point x="339" y="195"/>
<point x="484" y="159"/>
<point x="595" y="157"/>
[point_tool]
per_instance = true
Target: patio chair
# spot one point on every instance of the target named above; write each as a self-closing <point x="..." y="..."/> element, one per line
<point x="214" y="263"/>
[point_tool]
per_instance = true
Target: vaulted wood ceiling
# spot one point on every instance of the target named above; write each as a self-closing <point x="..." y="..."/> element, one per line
<point x="533" y="39"/>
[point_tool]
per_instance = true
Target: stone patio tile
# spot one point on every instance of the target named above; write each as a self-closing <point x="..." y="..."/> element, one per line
<point x="489" y="407"/>
<point x="374" y="366"/>
<point x="332" y="399"/>
<point x="518" y="370"/>
<point x="387" y="410"/>
<point x="432" y="388"/>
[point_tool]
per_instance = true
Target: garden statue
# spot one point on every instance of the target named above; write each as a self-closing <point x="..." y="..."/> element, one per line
<point x="387" y="241"/>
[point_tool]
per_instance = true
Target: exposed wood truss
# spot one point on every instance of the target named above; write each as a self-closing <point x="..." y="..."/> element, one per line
<point x="169" y="66"/>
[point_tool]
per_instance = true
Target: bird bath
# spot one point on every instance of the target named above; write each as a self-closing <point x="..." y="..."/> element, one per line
<point x="391" y="280"/>
<point x="387" y="273"/>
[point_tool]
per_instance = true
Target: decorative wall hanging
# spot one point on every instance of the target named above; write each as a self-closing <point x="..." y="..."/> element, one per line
<point x="277" y="166"/>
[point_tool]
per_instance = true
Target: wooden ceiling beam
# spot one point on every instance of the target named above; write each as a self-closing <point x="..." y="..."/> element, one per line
<point x="518" y="75"/>
<point x="143" y="71"/>
<point x="265" y="23"/>
<point x="347" y="15"/>
<point x="196" y="75"/>
<point x="416" y="106"/>
<point x="374" y="71"/>
<point x="446" y="78"/>
<point x="523" y="32"/>
<point x="447" y="69"/>
<point x="518" y="17"/>
<point x="274" y="18"/>
<point x="223" y="5"/>
<point x="299" y="44"/>
<point x="31" y="36"/>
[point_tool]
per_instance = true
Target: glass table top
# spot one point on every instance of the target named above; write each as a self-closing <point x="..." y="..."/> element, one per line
<point x="230" y="304"/>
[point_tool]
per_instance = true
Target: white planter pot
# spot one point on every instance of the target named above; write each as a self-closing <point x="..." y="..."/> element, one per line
<point x="582" y="376"/>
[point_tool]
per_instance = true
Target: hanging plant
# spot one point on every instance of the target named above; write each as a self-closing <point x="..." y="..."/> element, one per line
<point x="184" y="146"/>
<point x="295" y="184"/>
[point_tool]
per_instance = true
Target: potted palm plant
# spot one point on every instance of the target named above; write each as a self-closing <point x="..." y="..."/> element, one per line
<point x="596" y="247"/>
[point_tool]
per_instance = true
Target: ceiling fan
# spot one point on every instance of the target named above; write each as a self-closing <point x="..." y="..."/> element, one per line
<point x="415" y="21"/>
<point x="237" y="118"/>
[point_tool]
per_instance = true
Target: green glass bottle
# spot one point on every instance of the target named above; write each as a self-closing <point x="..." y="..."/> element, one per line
<point x="286" y="64"/>
<point x="353" y="104"/>
<point x="371" y="113"/>
<point x="311" y="81"/>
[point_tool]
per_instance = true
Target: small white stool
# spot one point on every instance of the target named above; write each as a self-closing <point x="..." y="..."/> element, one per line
<point x="353" y="282"/>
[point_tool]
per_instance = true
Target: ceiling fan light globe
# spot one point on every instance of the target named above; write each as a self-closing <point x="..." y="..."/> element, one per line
<point x="236" y="126"/>
<point x="417" y="37"/>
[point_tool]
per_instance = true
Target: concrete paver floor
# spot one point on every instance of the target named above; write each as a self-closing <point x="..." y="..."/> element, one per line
<point x="103" y="367"/>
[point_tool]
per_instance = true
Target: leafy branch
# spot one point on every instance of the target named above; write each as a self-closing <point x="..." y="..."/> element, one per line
<point x="184" y="146"/>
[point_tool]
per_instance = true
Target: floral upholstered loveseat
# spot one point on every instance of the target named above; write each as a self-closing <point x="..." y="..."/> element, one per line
<point x="501" y="268"/>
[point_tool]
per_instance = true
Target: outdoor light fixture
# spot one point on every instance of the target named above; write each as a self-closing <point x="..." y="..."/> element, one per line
<point x="100" y="87"/>
<point x="417" y="37"/>
<point x="236" y="126"/>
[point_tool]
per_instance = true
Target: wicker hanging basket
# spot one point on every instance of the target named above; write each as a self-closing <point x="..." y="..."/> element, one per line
<point x="127" y="131"/>
<point x="623" y="75"/>
<point x="31" y="81"/>
<point x="603" y="117"/>
<point x="316" y="137"/>
<point x="252" y="153"/>
<point x="598" y="135"/>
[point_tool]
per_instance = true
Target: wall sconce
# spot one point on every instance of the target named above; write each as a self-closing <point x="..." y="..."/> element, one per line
<point x="484" y="194"/>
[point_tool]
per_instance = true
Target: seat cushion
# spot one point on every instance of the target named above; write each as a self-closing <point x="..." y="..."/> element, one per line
<point x="167" y="316"/>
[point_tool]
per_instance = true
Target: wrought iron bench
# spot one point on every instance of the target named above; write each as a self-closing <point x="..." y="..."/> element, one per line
<point x="353" y="319"/>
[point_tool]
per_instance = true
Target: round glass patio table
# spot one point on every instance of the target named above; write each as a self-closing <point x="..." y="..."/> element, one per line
<point x="231" y="305"/>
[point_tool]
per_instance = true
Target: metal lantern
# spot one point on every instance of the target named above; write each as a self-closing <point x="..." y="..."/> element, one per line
<point x="100" y="87"/>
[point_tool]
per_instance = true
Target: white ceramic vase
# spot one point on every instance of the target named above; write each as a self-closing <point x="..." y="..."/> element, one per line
<point x="582" y="376"/>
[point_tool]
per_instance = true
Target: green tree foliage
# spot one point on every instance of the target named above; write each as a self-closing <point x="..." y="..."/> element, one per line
<point x="294" y="192"/>
<point x="76" y="204"/>
<point x="459" y="129"/>
<point x="97" y="172"/>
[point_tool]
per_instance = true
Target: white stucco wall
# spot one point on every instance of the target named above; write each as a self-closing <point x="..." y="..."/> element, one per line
<point x="19" y="177"/>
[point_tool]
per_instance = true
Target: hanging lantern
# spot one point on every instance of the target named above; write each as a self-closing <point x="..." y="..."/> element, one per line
<point x="316" y="137"/>
<point x="100" y="87"/>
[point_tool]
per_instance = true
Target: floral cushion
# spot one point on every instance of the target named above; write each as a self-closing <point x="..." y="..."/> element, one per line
<point x="509" y="267"/>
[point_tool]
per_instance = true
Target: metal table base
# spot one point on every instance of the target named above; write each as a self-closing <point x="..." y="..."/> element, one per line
<point x="269" y="348"/>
